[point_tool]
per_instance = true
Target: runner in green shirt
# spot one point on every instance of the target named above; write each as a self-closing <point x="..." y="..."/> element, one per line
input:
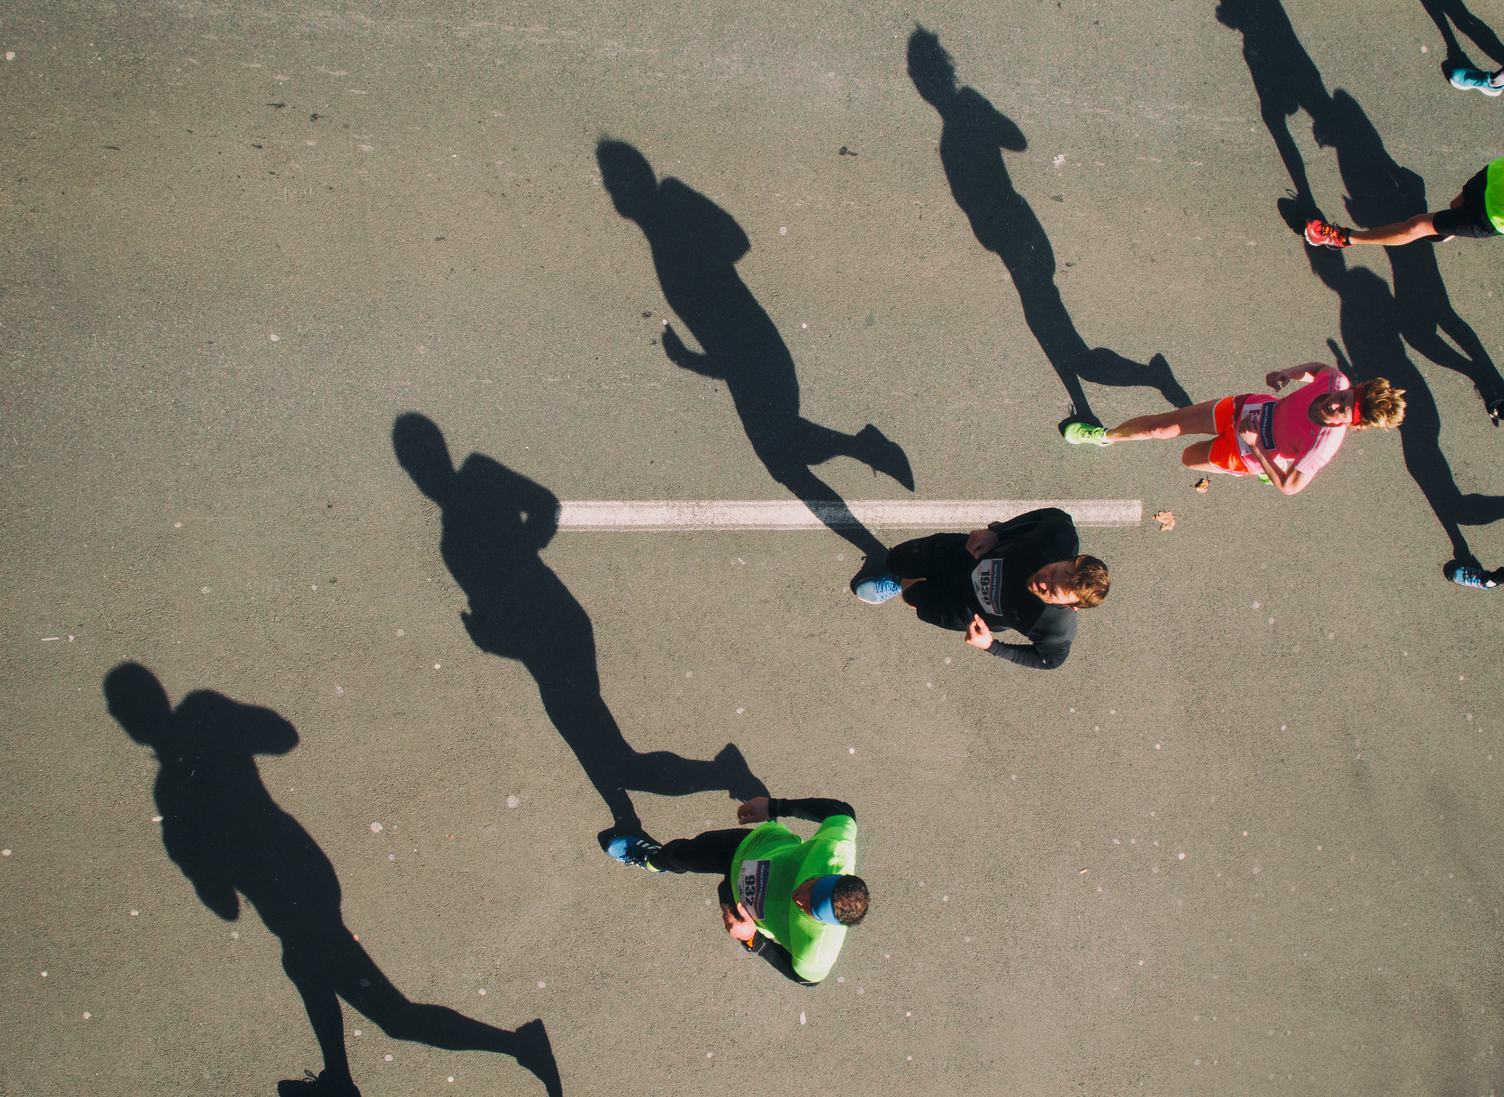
<point x="787" y="899"/>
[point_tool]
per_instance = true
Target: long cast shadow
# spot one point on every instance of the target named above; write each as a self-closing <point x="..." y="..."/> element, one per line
<point x="695" y="246"/>
<point x="973" y="137"/>
<point x="495" y="525"/>
<point x="1376" y="322"/>
<point x="1447" y="14"/>
<point x="231" y="839"/>
<point x="1287" y="82"/>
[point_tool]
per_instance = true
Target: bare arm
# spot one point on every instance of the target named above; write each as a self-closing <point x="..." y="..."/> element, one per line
<point x="1288" y="482"/>
<point x="1294" y="375"/>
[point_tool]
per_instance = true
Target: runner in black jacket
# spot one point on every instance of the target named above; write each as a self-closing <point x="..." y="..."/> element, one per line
<point x="1025" y="574"/>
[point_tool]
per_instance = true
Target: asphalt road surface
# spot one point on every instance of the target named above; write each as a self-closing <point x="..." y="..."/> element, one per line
<point x="274" y="272"/>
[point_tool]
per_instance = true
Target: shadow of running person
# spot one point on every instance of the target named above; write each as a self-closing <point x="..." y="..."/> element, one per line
<point x="229" y="837"/>
<point x="1287" y="81"/>
<point x="1377" y="321"/>
<point x="495" y="524"/>
<point x="973" y="136"/>
<point x="696" y="246"/>
<point x="1447" y="14"/>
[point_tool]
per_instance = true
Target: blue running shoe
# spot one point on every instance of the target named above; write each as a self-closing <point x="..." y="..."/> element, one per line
<point x="633" y="849"/>
<point x="1463" y="77"/>
<point x="1470" y="575"/>
<point x="877" y="589"/>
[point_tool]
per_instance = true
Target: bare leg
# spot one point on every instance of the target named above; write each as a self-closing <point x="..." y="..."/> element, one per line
<point x="1397" y="234"/>
<point x="1196" y="419"/>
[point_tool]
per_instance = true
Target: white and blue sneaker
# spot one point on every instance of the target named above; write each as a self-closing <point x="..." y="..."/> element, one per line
<point x="633" y="849"/>
<point x="877" y="589"/>
<point x="1464" y="78"/>
<point x="1470" y="575"/>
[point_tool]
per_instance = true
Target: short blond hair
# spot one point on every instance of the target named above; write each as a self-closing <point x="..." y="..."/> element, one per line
<point x="1380" y="404"/>
<point x="1090" y="582"/>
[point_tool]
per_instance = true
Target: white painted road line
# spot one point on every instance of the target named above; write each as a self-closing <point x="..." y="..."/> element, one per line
<point x="605" y="515"/>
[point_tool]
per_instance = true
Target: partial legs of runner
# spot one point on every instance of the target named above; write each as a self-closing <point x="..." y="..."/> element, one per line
<point x="1196" y="419"/>
<point x="1397" y="234"/>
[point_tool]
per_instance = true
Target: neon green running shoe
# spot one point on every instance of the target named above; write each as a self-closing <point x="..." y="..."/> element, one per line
<point x="1078" y="432"/>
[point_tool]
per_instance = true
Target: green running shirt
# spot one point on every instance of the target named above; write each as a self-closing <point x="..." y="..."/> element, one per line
<point x="1493" y="194"/>
<point x="769" y="866"/>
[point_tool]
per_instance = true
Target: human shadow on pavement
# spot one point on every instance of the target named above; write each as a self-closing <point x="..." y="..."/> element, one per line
<point x="973" y="136"/>
<point x="495" y="524"/>
<point x="695" y="246"/>
<point x="1377" y="321"/>
<point x="1287" y="82"/>
<point x="231" y="839"/>
<point x="1449" y="14"/>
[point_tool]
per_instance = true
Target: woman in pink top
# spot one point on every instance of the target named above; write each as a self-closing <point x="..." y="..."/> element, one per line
<point x="1286" y="440"/>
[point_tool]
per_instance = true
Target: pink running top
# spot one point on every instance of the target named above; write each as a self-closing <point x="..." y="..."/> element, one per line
<point x="1285" y="428"/>
<point x="1309" y="445"/>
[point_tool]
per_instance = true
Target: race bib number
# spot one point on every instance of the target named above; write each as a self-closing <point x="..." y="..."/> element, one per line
<point x="752" y="883"/>
<point x="1260" y="417"/>
<point x="1266" y="426"/>
<point x="987" y="581"/>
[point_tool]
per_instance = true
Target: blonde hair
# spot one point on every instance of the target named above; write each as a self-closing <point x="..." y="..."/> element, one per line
<point x="1091" y="581"/>
<point x="1380" y="404"/>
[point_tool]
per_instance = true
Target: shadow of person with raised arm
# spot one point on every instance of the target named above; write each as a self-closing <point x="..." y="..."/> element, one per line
<point x="973" y="136"/>
<point x="1447" y="14"/>
<point x="1377" y="321"/>
<point x="696" y="246"/>
<point x="1287" y="81"/>
<point x="229" y="837"/>
<point x="495" y="524"/>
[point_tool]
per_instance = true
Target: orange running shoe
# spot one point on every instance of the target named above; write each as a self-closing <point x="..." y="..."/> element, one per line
<point x="1324" y="234"/>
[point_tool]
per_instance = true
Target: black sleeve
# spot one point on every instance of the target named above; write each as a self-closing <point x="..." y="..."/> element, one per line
<point x="778" y="956"/>
<point x="1049" y="530"/>
<point x="1033" y="656"/>
<point x="816" y="809"/>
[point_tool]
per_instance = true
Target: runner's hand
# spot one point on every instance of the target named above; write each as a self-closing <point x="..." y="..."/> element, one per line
<point x="981" y="541"/>
<point x="1249" y="435"/>
<point x="978" y="635"/>
<point x="754" y="810"/>
<point x="1277" y="380"/>
<point x="738" y="922"/>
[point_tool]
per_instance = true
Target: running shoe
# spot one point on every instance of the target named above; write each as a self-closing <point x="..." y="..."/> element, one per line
<point x="1471" y="575"/>
<point x="1463" y="77"/>
<point x="877" y="589"/>
<point x="1078" y="432"/>
<point x="633" y="849"/>
<point x="1495" y="411"/>
<point x="1324" y="234"/>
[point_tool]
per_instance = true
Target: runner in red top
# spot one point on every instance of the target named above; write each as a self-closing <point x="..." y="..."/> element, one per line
<point x="1286" y="440"/>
